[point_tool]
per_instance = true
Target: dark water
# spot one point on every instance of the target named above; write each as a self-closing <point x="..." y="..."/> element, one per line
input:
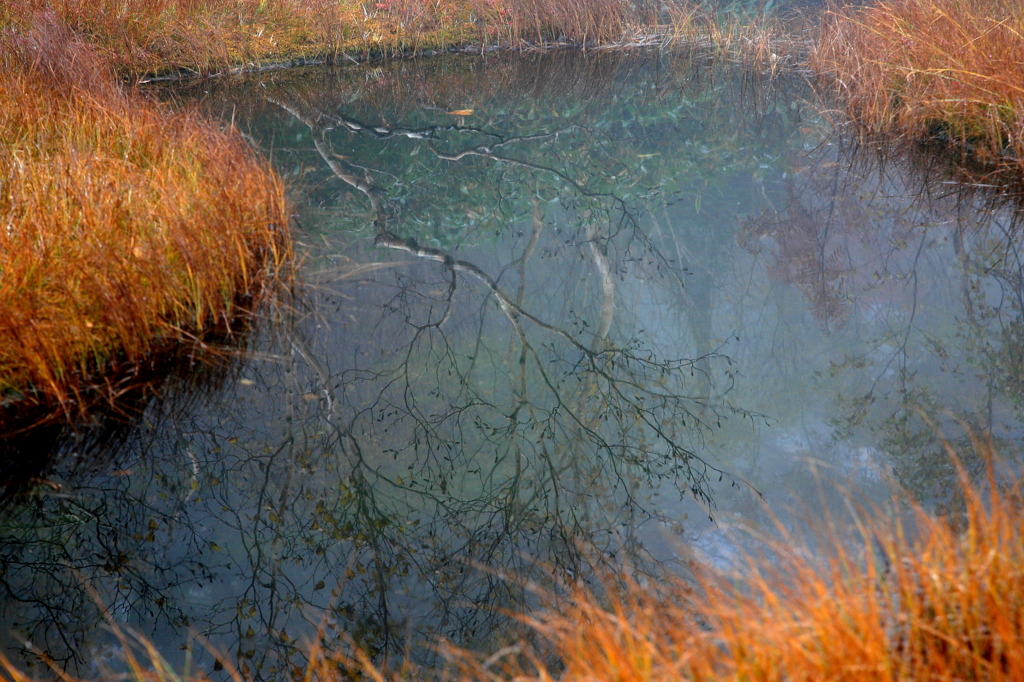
<point x="625" y="304"/>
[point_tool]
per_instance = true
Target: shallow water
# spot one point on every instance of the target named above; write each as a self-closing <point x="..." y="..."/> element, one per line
<point x="557" y="310"/>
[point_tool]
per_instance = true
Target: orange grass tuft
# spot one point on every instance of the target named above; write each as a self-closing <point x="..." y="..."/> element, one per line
<point x="932" y="70"/>
<point x="122" y="226"/>
<point x="203" y="36"/>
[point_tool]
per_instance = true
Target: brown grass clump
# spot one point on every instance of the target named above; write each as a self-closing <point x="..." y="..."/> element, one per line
<point x="142" y="37"/>
<point x="122" y="226"/>
<point x="950" y="71"/>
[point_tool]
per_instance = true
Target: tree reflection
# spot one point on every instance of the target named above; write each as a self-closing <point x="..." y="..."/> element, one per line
<point x="78" y="526"/>
<point x="518" y="327"/>
<point x="471" y="385"/>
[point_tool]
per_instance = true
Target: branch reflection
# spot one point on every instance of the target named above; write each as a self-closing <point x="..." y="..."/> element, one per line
<point x="521" y="342"/>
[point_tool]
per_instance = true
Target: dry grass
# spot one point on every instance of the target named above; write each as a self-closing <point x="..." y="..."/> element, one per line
<point x="932" y="70"/>
<point x="146" y="37"/>
<point x="122" y="227"/>
<point x="141" y="659"/>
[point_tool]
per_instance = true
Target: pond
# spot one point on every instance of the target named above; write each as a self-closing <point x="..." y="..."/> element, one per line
<point x="555" y="311"/>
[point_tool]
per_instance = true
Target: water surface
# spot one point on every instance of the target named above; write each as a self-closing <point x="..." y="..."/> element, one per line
<point x="556" y="311"/>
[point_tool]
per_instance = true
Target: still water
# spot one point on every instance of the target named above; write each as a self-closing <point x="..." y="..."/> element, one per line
<point x="554" y="311"/>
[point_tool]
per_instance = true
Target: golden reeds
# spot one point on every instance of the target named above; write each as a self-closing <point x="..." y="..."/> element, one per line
<point x="948" y="71"/>
<point x="122" y="226"/>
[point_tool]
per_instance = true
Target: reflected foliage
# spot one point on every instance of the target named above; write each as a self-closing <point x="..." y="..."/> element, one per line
<point x="486" y="394"/>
